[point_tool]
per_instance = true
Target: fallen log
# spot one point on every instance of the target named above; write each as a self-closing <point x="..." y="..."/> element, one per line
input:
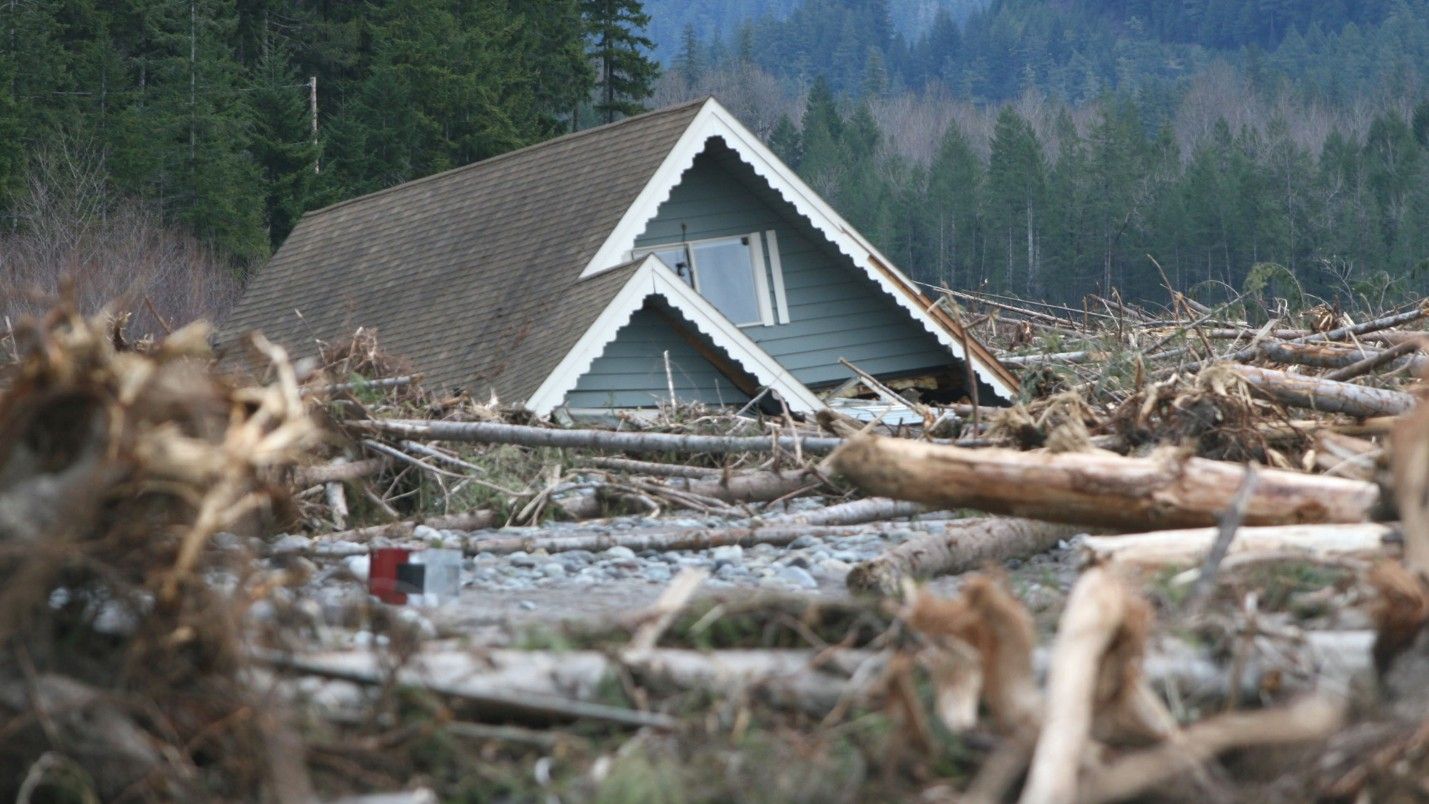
<point x="655" y="539"/>
<point x="662" y="538"/>
<point x="1095" y="488"/>
<point x="337" y="472"/>
<point x="1052" y="357"/>
<point x="545" y="686"/>
<point x="1326" y="396"/>
<point x="1318" y="355"/>
<point x="524" y="688"/>
<point x="747" y="487"/>
<point x="1094" y="669"/>
<point x="1311" y="719"/>
<point x="469" y="520"/>
<point x="965" y="545"/>
<point x="337" y="503"/>
<point x="1373" y="360"/>
<point x="1187" y="547"/>
<point x="1333" y="335"/>
<point x="1375" y="325"/>
<point x="1296" y="429"/>
<point x="650" y="468"/>
<point x="750" y="486"/>
<point x="498" y="433"/>
<point x="871" y="509"/>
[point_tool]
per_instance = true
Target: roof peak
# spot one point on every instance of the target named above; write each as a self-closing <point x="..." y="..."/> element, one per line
<point x="523" y="151"/>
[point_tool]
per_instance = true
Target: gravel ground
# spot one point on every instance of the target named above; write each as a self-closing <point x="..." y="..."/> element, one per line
<point x="503" y="593"/>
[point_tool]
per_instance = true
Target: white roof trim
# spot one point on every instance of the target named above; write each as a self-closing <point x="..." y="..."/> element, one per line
<point x="713" y="120"/>
<point x="652" y="278"/>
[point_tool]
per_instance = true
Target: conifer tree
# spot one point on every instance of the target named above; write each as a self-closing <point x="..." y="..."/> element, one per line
<point x="283" y="147"/>
<point x="787" y="142"/>
<point x="10" y="131"/>
<point x="955" y="190"/>
<point x="189" y="128"/>
<point x="689" y="62"/>
<point x="555" y="56"/>
<point x="1016" y="181"/>
<point x="618" y="45"/>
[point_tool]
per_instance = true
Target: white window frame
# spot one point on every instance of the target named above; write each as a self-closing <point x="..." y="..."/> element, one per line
<point x="753" y="242"/>
<point x="776" y="267"/>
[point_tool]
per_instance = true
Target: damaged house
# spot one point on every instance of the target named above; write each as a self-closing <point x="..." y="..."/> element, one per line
<point x="598" y="269"/>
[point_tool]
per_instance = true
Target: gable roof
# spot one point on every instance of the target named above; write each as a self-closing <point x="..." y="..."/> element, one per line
<point x="713" y="120"/>
<point x="483" y="298"/>
<point x="643" y="279"/>
<point x="475" y="274"/>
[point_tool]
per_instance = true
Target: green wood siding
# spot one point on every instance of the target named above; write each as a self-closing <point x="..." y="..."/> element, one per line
<point x="834" y="309"/>
<point x="630" y="373"/>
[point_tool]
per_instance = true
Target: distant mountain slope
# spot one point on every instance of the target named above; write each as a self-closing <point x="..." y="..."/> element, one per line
<point x="722" y="18"/>
<point x="993" y="50"/>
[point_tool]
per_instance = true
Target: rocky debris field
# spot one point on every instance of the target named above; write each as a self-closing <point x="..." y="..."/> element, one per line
<point x="1146" y="583"/>
<point x="501" y="592"/>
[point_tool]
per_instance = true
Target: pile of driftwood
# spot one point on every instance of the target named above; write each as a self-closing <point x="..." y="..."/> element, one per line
<point x="129" y="669"/>
<point x="122" y="657"/>
<point x="1333" y="365"/>
<point x="1222" y="447"/>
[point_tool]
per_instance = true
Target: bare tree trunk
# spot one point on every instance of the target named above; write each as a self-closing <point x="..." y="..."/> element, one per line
<point x="1319" y="355"/>
<point x="1190" y="546"/>
<point x="336" y="472"/>
<point x="1096" y="489"/>
<point x="1056" y="357"/>
<point x="497" y="433"/>
<point x="748" y="487"/>
<point x="471" y="520"/>
<point x="962" y="547"/>
<point x="1340" y="334"/>
<point x="1327" y="396"/>
<point x="872" y="509"/>
<point x="1373" y="360"/>
<point x="650" y="468"/>
<point x="1311" y="719"/>
<point x="1099" y="611"/>
<point x="678" y="539"/>
<point x="337" y="502"/>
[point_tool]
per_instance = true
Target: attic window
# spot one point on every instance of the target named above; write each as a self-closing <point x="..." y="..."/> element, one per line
<point x="729" y="272"/>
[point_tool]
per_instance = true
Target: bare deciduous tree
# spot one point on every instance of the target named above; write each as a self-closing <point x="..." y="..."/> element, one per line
<point x="73" y="232"/>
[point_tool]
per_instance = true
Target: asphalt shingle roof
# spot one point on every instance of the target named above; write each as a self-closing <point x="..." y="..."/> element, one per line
<point x="473" y="274"/>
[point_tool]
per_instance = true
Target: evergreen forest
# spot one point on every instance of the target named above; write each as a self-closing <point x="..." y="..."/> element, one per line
<point x="1042" y="147"/>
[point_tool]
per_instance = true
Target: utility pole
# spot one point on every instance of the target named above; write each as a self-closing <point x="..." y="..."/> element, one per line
<point x="193" y="60"/>
<point x="313" y="112"/>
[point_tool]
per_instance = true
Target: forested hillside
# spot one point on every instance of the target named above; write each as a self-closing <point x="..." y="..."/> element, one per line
<point x="1044" y="146"/>
<point x="1052" y="148"/>
<point x="164" y="147"/>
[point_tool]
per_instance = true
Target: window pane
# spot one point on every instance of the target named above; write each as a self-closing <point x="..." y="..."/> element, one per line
<point x="677" y="260"/>
<point x="726" y="279"/>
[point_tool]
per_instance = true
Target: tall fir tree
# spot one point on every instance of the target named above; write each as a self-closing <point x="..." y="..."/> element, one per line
<point x="955" y="192"/>
<point x="1115" y="147"/>
<point x="284" y="145"/>
<point x="689" y="61"/>
<point x="615" y="30"/>
<point x="553" y="45"/>
<point x="189" y="130"/>
<point x="1016" y="183"/>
